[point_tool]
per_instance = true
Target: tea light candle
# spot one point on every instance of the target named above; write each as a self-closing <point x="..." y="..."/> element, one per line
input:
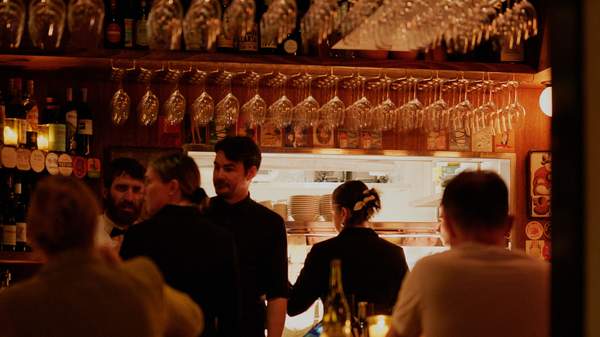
<point x="11" y="132"/>
<point x="378" y="325"/>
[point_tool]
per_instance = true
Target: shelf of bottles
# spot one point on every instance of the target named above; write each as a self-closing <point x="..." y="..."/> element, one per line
<point x="34" y="143"/>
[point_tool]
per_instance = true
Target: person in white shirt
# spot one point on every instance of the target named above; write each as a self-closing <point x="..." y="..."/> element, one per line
<point x="478" y="287"/>
<point x="123" y="198"/>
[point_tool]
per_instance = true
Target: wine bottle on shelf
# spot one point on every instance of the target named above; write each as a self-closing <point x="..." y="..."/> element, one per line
<point x="20" y="218"/>
<point x="16" y="110"/>
<point x="337" y="317"/>
<point x="57" y="130"/>
<point x="9" y="226"/>
<point x="141" y="31"/>
<point x="2" y="117"/>
<point x="70" y="118"/>
<point x="114" y="27"/>
<point x="31" y="115"/>
<point x="267" y="45"/>
<point x="85" y="129"/>
<point x="249" y="43"/>
<point x="225" y="43"/>
<point x="128" y="24"/>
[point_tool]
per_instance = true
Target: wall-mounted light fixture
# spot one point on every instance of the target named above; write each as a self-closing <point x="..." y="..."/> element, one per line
<point x="546" y="99"/>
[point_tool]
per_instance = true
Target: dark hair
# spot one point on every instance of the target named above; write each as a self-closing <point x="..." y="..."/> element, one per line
<point x="120" y="166"/>
<point x="361" y="201"/>
<point x="182" y="168"/>
<point x="241" y="149"/>
<point x="63" y="215"/>
<point x="476" y="200"/>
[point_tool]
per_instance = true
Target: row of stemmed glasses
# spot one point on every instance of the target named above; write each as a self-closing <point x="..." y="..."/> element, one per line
<point x="332" y="113"/>
<point x="306" y="112"/>
<point x="254" y="111"/>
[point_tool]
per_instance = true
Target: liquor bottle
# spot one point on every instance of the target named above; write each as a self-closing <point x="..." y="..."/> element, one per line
<point x="70" y="117"/>
<point x="2" y="117"/>
<point x="249" y="42"/>
<point x="337" y="318"/>
<point x="9" y="226"/>
<point x="267" y="45"/>
<point x="128" y="24"/>
<point x="225" y="43"/>
<point x="85" y="129"/>
<point x="141" y="31"/>
<point x="15" y="109"/>
<point x="292" y="44"/>
<point x="31" y="115"/>
<point x="114" y="27"/>
<point x="20" y="216"/>
<point x="57" y="130"/>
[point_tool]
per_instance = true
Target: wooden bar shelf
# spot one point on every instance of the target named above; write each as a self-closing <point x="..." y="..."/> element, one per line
<point x="101" y="59"/>
<point x="20" y="258"/>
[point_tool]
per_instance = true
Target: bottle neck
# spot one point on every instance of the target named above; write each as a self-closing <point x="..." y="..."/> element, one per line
<point x="335" y="280"/>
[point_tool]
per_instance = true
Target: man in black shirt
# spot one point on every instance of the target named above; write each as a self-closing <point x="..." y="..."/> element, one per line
<point x="259" y="234"/>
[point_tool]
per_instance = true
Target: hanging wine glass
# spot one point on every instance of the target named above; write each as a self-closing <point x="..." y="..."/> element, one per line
<point x="203" y="108"/>
<point x="255" y="109"/>
<point x="12" y="21"/>
<point x="121" y="102"/>
<point x="332" y="113"/>
<point x="227" y="110"/>
<point x="148" y="106"/>
<point x="85" y="19"/>
<point x="174" y="106"/>
<point x="46" y="23"/>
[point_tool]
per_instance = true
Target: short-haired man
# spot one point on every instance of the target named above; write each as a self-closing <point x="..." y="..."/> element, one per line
<point x="259" y="234"/>
<point x="123" y="195"/>
<point x="478" y="287"/>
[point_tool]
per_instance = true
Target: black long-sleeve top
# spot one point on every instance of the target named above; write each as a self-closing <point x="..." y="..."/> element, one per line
<point x="372" y="271"/>
<point x="195" y="256"/>
<point x="261" y="244"/>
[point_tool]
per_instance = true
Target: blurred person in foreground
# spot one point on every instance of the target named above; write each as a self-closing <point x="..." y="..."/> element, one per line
<point x="259" y="234"/>
<point x="194" y="255"/>
<point x="372" y="268"/>
<point x="83" y="289"/>
<point x="478" y="287"/>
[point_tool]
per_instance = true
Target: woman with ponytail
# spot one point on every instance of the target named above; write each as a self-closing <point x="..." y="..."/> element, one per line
<point x="372" y="268"/>
<point x="194" y="255"/>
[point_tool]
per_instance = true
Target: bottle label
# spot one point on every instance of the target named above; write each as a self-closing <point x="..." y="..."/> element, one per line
<point x="128" y="23"/>
<point x="86" y="127"/>
<point x="9" y="235"/>
<point x="21" y="232"/>
<point x="113" y="32"/>
<point x="37" y="160"/>
<point x="57" y="136"/>
<point x="32" y="118"/>
<point x="71" y="118"/>
<point x="65" y="164"/>
<point x="23" y="156"/>
<point x="267" y="43"/>
<point x="249" y="42"/>
<point x="141" y="33"/>
<point x="224" y="42"/>
<point x="290" y="46"/>
<point x="9" y="157"/>
<point x="52" y="163"/>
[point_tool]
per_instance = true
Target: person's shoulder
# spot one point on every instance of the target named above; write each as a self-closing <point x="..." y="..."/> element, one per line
<point x="268" y="216"/>
<point x="143" y="270"/>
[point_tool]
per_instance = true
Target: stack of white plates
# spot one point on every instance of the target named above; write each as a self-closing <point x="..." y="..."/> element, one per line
<point x="325" y="207"/>
<point x="304" y="207"/>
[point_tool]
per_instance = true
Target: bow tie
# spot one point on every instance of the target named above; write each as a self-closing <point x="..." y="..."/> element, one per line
<point x="117" y="231"/>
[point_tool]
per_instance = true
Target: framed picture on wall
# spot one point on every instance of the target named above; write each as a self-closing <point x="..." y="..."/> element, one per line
<point x="539" y="184"/>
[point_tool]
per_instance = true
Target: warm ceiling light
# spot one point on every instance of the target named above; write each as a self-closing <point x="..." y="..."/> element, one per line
<point x="546" y="101"/>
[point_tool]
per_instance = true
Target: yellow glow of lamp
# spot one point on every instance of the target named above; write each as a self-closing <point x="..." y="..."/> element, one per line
<point x="11" y="131"/>
<point x="546" y="101"/>
<point x="42" y="137"/>
<point x="379" y="325"/>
